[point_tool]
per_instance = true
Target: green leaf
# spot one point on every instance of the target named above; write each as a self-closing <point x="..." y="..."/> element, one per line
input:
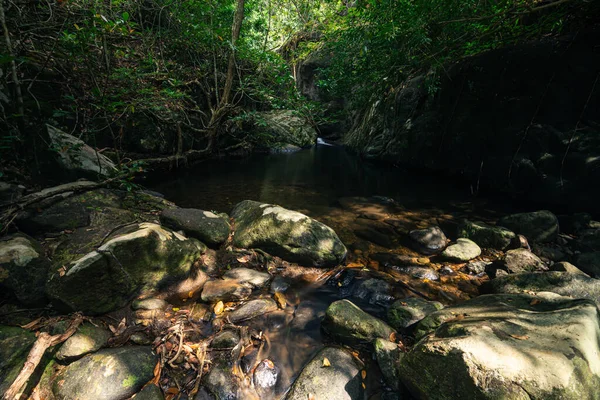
<point x="125" y="16"/>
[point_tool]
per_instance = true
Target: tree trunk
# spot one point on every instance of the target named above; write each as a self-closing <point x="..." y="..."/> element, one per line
<point x="13" y="64"/>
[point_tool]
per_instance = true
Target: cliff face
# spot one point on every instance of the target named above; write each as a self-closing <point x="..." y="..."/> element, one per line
<point x="523" y="119"/>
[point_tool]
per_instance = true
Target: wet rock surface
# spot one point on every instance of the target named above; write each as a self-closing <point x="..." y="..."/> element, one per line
<point x="347" y="323"/>
<point x="253" y="308"/>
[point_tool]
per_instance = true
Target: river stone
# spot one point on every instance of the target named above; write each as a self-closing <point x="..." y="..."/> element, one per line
<point x="522" y="260"/>
<point x="589" y="263"/>
<point x="409" y="311"/>
<point x="507" y="346"/>
<point x="142" y="261"/>
<point x="252" y="309"/>
<point x="246" y="275"/>
<point x="15" y="343"/>
<point x="429" y="240"/>
<point x="222" y="383"/>
<point x="340" y="381"/>
<point x="476" y="267"/>
<point x="576" y="286"/>
<point x="225" y="290"/>
<point x="206" y="226"/>
<point x="388" y="356"/>
<point x="374" y="291"/>
<point x="287" y="234"/>
<point x="265" y="378"/>
<point x="226" y="339"/>
<point x="565" y="266"/>
<point x="495" y="237"/>
<point x="87" y="339"/>
<point x="23" y="269"/>
<point x="279" y="284"/>
<point x="77" y="159"/>
<point x="109" y="374"/>
<point x="346" y="322"/>
<point x="539" y="226"/>
<point x="464" y="250"/>
<point x="149" y="304"/>
<point x="149" y="392"/>
<point x="589" y="240"/>
<point x="417" y="272"/>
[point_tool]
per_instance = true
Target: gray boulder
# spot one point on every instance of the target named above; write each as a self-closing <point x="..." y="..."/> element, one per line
<point x="339" y="381"/>
<point x="429" y="240"/>
<point x="507" y="347"/>
<point x="110" y="374"/>
<point x="495" y="237"/>
<point x="539" y="226"/>
<point x="464" y="250"/>
<point x="347" y="323"/>
<point x="205" y="226"/>
<point x="407" y="312"/>
<point x="23" y="269"/>
<point x="142" y="261"/>
<point x="287" y="234"/>
<point x="522" y="260"/>
<point x="87" y="339"/>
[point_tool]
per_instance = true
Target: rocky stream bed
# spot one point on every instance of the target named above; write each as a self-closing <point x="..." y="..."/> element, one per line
<point x="268" y="303"/>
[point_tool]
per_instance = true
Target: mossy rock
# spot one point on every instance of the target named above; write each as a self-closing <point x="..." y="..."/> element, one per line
<point x="205" y="226"/>
<point x="495" y="237"/>
<point x="15" y="343"/>
<point x="406" y="312"/>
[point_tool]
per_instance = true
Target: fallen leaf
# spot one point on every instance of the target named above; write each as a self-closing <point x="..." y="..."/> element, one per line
<point x="280" y="299"/>
<point x="190" y="294"/>
<point x="363" y="373"/>
<point x="364" y="386"/>
<point x="311" y="397"/>
<point x="175" y="309"/>
<point x="519" y="337"/>
<point x="326" y="362"/>
<point x="219" y="307"/>
<point x="534" y="302"/>
<point x="392" y="337"/>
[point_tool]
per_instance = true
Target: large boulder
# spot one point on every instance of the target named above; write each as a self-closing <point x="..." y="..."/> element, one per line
<point x="347" y="323"/>
<point x="145" y="258"/>
<point x="23" y="269"/>
<point x="340" y="380"/>
<point x="485" y="235"/>
<point x="538" y="226"/>
<point x="507" y="347"/>
<point x="76" y="158"/>
<point x="577" y="286"/>
<point x="15" y="343"/>
<point x="282" y="127"/>
<point x="206" y="226"/>
<point x="110" y="374"/>
<point x="287" y="234"/>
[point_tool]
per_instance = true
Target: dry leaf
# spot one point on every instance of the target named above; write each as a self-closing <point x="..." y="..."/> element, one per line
<point x="190" y="294"/>
<point x="363" y="373"/>
<point x="534" y="302"/>
<point x="326" y="362"/>
<point x="311" y="397"/>
<point x="219" y="307"/>
<point x="392" y="337"/>
<point x="280" y="299"/>
<point x="364" y="386"/>
<point x="519" y="337"/>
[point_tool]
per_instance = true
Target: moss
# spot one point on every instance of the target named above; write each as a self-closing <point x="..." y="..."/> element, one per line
<point x="129" y="381"/>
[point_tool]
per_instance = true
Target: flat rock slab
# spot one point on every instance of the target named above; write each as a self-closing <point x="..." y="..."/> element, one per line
<point x="111" y="374"/>
<point x="347" y="323"/>
<point x="463" y="250"/>
<point x="287" y="234"/>
<point x="507" y="347"/>
<point x="340" y="381"/>
<point x="205" y="226"/>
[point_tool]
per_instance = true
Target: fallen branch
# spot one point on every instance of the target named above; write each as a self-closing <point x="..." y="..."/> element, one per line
<point x="43" y="342"/>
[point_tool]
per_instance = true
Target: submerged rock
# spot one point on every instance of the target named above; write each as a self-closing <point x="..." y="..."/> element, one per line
<point x="23" y="269"/>
<point x="265" y="378"/>
<point x="287" y="234"/>
<point x="428" y="241"/>
<point x="539" y="226"/>
<point x="495" y="237"/>
<point x="374" y="291"/>
<point x="144" y="260"/>
<point x="507" y="346"/>
<point x="464" y="250"/>
<point x="252" y="309"/>
<point x="111" y="374"/>
<point x="206" y="226"/>
<point x="15" y="343"/>
<point x="225" y="290"/>
<point x="226" y="339"/>
<point x="87" y="339"/>
<point x="339" y="381"/>
<point x="417" y="272"/>
<point x="409" y="311"/>
<point x="346" y="322"/>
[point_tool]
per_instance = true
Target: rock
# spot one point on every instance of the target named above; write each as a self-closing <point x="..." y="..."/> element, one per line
<point x="87" y="339"/>
<point x="522" y="260"/>
<point x="495" y="237"/>
<point x="416" y="271"/>
<point x="77" y="159"/>
<point x="286" y="234"/>
<point x="246" y="275"/>
<point x="149" y="392"/>
<point x="388" y="357"/>
<point x="227" y="339"/>
<point x="141" y="261"/>
<point x="203" y="395"/>
<point x="476" y="267"/>
<point x="463" y="250"/>
<point x="547" y="253"/>
<point x="221" y="382"/>
<point x="279" y="284"/>
<point x="205" y="226"/>
<point x="346" y="322"/>
<point x="539" y="226"/>
<point x="284" y="127"/>
<point x="10" y="193"/>
<point x="590" y="263"/>
<point x="507" y="347"/>
<point x="388" y="259"/>
<point x="446" y="271"/>
<point x="149" y="304"/>
<point x="14" y="348"/>
<point x="340" y="381"/>
<point x="409" y="311"/>
<point x="225" y="290"/>
<point x="253" y="309"/>
<point x="589" y="240"/>
<point x="265" y="378"/>
<point x="428" y="241"/>
<point x="23" y="269"/>
<point x="109" y="374"/>
<point x="565" y="266"/>
<point x="574" y="223"/>
<point x="374" y="291"/>
<point x="576" y="286"/>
